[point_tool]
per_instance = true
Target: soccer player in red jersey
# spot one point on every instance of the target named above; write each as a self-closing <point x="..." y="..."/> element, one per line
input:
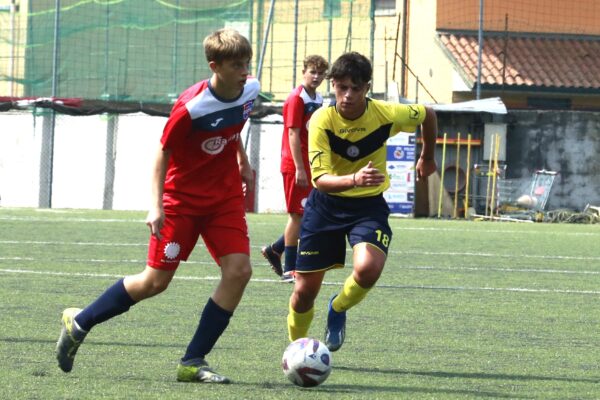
<point x="197" y="190"/>
<point x="297" y="110"/>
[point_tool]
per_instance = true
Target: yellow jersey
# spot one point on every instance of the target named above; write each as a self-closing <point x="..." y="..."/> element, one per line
<point x="338" y="146"/>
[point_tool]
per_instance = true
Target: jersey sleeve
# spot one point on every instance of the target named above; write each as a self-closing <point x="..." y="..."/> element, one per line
<point x="294" y="113"/>
<point x="407" y="117"/>
<point x="319" y="149"/>
<point x="177" y="127"/>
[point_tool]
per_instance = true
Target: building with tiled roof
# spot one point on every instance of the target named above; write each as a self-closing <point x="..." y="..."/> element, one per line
<point x="538" y="54"/>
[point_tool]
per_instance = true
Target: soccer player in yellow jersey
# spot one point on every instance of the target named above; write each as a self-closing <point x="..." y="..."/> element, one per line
<point x="347" y="156"/>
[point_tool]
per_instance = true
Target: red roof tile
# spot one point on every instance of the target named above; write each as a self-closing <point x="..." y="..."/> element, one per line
<point x="543" y="62"/>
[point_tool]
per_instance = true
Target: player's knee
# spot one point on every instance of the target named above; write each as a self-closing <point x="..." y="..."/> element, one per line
<point x="367" y="277"/>
<point x="305" y="293"/>
<point x="240" y="273"/>
<point x="156" y="286"/>
<point x="245" y="273"/>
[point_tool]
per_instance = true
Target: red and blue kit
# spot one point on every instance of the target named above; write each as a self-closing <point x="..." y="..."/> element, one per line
<point x="203" y="188"/>
<point x="203" y="133"/>
<point x="297" y="110"/>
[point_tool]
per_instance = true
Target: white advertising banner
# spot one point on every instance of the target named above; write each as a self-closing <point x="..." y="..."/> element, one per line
<point x="401" y="151"/>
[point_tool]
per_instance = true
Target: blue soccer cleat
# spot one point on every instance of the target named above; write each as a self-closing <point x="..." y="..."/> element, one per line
<point x="335" y="332"/>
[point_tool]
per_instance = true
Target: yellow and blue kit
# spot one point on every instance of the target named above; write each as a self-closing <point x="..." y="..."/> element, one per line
<point x="338" y="146"/>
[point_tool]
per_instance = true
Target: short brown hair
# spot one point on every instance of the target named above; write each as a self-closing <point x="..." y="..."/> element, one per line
<point x="226" y="44"/>
<point x="352" y="65"/>
<point x="319" y="62"/>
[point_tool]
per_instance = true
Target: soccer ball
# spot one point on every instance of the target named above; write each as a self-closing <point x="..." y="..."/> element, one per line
<point x="306" y="362"/>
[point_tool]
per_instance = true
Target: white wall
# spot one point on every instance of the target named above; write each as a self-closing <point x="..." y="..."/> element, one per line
<point x="80" y="154"/>
<point x="19" y="157"/>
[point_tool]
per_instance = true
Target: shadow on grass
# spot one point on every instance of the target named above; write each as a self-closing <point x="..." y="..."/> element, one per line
<point x="94" y="343"/>
<point x="372" y="390"/>
<point x="469" y="375"/>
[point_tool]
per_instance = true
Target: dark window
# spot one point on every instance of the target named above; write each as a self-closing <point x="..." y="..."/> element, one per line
<point x="542" y="103"/>
<point x="385" y="7"/>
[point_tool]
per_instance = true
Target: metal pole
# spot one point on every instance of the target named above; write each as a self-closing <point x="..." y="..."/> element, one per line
<point x="110" y="161"/>
<point x="329" y="36"/>
<point x="468" y="175"/>
<point x="174" y="56"/>
<point x="441" y="193"/>
<point x="457" y="170"/>
<point x="265" y="40"/>
<point x="396" y="47"/>
<point x="348" y="45"/>
<point x="106" y="51"/>
<point x="56" y="48"/>
<point x="480" y="41"/>
<point x="372" y="41"/>
<point x="11" y="65"/>
<point x="404" y="48"/>
<point x="55" y="60"/>
<point x="295" y="54"/>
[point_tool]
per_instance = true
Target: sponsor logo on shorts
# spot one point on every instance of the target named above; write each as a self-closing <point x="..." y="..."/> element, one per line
<point x="309" y="252"/>
<point x="172" y="250"/>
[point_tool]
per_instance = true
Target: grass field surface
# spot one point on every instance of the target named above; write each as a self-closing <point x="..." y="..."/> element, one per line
<point x="463" y="310"/>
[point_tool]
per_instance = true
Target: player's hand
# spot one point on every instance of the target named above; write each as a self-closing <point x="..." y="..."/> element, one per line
<point x="369" y="176"/>
<point x="301" y="178"/>
<point x="155" y="221"/>
<point x="425" y="168"/>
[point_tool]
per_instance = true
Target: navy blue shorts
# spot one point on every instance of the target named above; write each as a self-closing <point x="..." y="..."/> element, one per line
<point x="329" y="220"/>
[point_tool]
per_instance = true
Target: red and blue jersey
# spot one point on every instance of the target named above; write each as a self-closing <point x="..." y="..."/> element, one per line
<point x="297" y="110"/>
<point x="203" y="134"/>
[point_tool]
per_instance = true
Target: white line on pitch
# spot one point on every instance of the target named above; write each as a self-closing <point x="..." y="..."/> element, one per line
<point x="427" y="253"/>
<point x="395" y="227"/>
<point x="382" y="286"/>
<point x="261" y="264"/>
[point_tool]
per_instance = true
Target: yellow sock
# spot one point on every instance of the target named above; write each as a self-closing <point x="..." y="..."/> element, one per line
<point x="351" y="295"/>
<point x="298" y="323"/>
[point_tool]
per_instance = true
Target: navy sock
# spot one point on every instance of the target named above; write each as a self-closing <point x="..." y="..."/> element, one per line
<point x="212" y="324"/>
<point x="114" y="301"/>
<point x="279" y="245"/>
<point x="290" y="258"/>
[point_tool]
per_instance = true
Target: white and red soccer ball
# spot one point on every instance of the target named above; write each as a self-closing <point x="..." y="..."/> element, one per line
<point x="306" y="362"/>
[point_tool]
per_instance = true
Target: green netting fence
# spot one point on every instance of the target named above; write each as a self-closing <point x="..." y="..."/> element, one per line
<point x="150" y="50"/>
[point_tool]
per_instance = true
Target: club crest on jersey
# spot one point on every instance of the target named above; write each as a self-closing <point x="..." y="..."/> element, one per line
<point x="353" y="151"/>
<point x="247" y="108"/>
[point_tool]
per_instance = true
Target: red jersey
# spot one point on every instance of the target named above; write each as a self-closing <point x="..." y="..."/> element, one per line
<point x="203" y="134"/>
<point x="297" y="110"/>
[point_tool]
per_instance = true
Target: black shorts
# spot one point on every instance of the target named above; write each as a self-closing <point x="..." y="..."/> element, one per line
<point x="329" y="220"/>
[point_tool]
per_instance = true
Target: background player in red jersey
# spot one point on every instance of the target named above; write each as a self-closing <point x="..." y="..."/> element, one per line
<point x="297" y="110"/>
<point x="197" y="190"/>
